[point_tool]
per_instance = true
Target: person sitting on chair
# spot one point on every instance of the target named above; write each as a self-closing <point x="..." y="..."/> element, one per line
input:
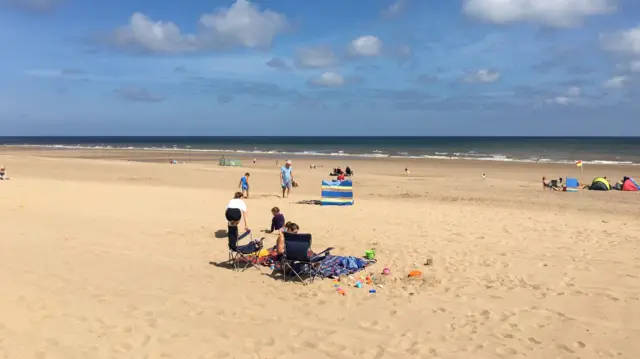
<point x="551" y="185"/>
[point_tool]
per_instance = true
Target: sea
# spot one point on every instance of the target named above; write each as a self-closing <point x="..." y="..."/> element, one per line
<point x="596" y="150"/>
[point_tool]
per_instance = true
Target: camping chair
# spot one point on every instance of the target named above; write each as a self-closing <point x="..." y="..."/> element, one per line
<point x="248" y="253"/>
<point x="297" y="247"/>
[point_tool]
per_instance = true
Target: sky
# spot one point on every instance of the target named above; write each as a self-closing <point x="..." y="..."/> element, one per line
<point x="320" y="67"/>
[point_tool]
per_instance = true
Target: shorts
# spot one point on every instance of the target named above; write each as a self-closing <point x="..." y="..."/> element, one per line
<point x="245" y="188"/>
<point x="233" y="214"/>
<point x="286" y="184"/>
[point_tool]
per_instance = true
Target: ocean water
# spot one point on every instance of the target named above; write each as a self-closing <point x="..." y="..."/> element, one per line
<point x="601" y="150"/>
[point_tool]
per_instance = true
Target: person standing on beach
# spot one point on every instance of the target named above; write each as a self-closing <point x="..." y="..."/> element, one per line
<point x="244" y="185"/>
<point x="286" y="178"/>
<point x="237" y="210"/>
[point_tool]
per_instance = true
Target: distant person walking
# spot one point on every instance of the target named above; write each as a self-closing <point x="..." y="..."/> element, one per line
<point x="286" y="178"/>
<point x="244" y="185"/>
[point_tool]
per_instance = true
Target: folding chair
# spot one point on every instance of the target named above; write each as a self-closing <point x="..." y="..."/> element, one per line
<point x="297" y="248"/>
<point x="248" y="253"/>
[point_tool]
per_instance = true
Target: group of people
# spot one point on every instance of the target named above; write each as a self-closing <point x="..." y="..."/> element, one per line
<point x="342" y="175"/>
<point x="286" y="181"/>
<point x="599" y="183"/>
<point x="236" y="212"/>
<point x="554" y="185"/>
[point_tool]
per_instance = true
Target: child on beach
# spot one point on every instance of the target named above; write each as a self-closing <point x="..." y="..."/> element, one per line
<point x="3" y="173"/>
<point x="244" y="185"/>
<point x="277" y="222"/>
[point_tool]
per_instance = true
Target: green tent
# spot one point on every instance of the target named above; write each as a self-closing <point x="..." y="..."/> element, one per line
<point x="230" y="162"/>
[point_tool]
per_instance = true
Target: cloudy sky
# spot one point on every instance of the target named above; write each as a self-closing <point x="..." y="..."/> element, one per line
<point x="320" y="67"/>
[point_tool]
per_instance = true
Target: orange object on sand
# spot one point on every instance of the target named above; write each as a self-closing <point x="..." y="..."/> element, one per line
<point x="415" y="273"/>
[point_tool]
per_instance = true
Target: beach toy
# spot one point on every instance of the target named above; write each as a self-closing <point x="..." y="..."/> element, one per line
<point x="370" y="254"/>
<point x="358" y="284"/>
<point x="415" y="273"/>
<point x="341" y="291"/>
<point x="372" y="291"/>
<point x="369" y="280"/>
<point x="386" y="271"/>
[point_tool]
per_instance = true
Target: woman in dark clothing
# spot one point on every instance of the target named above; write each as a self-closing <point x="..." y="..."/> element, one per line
<point x="277" y="222"/>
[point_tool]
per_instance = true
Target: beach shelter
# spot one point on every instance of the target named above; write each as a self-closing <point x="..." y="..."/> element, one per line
<point x="337" y="193"/>
<point x="600" y="184"/>
<point x="230" y="162"/>
<point x="630" y="185"/>
<point x="572" y="184"/>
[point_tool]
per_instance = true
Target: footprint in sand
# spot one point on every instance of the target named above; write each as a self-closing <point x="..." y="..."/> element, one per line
<point x="152" y="322"/>
<point x="564" y="348"/>
<point x="214" y="355"/>
<point x="145" y="340"/>
<point x="579" y="344"/>
<point x="506" y="351"/>
<point x="534" y="341"/>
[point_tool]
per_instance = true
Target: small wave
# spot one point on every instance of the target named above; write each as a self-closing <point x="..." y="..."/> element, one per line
<point x="375" y="154"/>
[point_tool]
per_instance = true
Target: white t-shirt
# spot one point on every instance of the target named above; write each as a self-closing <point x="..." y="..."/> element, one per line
<point x="237" y="203"/>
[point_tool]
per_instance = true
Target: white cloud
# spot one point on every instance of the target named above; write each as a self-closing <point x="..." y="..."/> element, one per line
<point x="634" y="66"/>
<point x="396" y="8"/>
<point x="631" y="66"/>
<point x="616" y="82"/>
<point x="553" y="13"/>
<point x="242" y="24"/>
<point x="571" y="95"/>
<point x="574" y="91"/>
<point x="35" y="5"/>
<point x="482" y="76"/>
<point x="624" y="42"/>
<point x="329" y="79"/>
<point x="559" y="100"/>
<point x="366" y="46"/>
<point x="316" y="57"/>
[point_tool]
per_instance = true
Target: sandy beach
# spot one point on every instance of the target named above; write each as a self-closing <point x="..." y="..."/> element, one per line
<point x="113" y="254"/>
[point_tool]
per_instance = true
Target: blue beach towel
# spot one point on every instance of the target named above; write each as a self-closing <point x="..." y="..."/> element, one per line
<point x="339" y="265"/>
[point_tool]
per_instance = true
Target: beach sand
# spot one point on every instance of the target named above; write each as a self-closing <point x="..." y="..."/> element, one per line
<point x="106" y="254"/>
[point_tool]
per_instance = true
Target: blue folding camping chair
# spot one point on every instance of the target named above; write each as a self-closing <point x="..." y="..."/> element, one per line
<point x="299" y="259"/>
<point x="247" y="253"/>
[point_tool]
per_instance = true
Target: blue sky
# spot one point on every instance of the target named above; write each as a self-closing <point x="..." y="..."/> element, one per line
<point x="330" y="67"/>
